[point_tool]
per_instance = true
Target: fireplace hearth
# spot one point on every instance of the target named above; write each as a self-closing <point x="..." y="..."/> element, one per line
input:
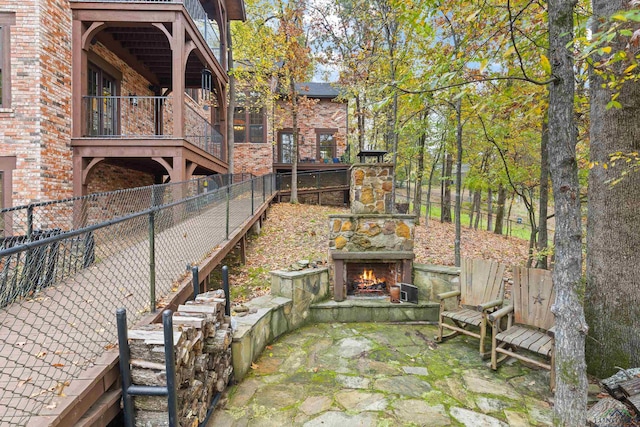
<point x="388" y="268"/>
<point x="371" y="248"/>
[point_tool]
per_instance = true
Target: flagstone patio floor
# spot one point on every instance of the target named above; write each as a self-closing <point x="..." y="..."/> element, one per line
<point x="382" y="374"/>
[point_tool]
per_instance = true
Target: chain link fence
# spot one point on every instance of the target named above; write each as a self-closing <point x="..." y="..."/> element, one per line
<point x="66" y="266"/>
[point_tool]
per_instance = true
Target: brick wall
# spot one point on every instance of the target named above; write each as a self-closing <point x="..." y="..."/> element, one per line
<point x="20" y="133"/>
<point x="323" y="114"/>
<point x="253" y="158"/>
<point x="105" y="177"/>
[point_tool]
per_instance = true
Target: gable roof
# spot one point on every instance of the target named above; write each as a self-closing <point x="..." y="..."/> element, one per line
<point x="317" y="90"/>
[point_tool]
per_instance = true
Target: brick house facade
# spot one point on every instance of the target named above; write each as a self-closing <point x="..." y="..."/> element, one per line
<point x="322" y="123"/>
<point x="89" y="95"/>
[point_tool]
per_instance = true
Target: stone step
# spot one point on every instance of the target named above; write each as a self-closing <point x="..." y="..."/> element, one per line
<point x="373" y="310"/>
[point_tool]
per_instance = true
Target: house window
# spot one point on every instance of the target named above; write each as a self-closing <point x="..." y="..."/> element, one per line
<point x="103" y="108"/>
<point x="249" y="119"/>
<point x="285" y="147"/>
<point x="256" y="126"/>
<point x="326" y="144"/>
<point x="6" y="20"/>
<point x="239" y="124"/>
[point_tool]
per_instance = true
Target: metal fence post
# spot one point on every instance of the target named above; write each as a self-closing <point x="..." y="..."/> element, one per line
<point x="29" y="222"/>
<point x="264" y="198"/>
<point x="228" y="197"/>
<point x="125" y="369"/>
<point x="152" y="261"/>
<point x="227" y="293"/>
<point x="170" y="366"/>
<point x="196" y="281"/>
<point x="252" y="198"/>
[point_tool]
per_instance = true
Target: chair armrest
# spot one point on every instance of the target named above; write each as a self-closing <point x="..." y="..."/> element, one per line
<point x="486" y="305"/>
<point x="446" y="295"/>
<point x="552" y="331"/>
<point x="501" y="313"/>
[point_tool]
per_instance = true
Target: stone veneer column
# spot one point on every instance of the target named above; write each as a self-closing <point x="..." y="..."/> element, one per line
<point x="371" y="185"/>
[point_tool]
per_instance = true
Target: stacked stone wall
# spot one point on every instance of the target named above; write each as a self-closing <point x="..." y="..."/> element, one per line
<point x="368" y="233"/>
<point x="371" y="186"/>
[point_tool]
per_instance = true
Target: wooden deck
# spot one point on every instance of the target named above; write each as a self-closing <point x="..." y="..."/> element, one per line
<point x="58" y="356"/>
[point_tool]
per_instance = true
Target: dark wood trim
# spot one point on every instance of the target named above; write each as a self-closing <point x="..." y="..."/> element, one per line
<point x="7" y="166"/>
<point x="105" y="66"/>
<point x="326" y="131"/>
<point x="107" y="40"/>
<point x="7" y="19"/>
<point x="279" y="133"/>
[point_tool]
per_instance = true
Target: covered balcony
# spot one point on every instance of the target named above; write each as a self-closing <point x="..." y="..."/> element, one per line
<point x="149" y="87"/>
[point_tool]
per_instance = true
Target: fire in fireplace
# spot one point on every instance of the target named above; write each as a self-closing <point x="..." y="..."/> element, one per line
<point x="368" y="284"/>
<point x="371" y="278"/>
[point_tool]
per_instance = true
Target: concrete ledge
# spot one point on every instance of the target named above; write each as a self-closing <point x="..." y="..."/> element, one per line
<point x="271" y="318"/>
<point x="371" y="310"/>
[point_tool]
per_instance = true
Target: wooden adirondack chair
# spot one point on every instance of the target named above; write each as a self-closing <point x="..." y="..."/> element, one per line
<point x="481" y="291"/>
<point x="530" y="323"/>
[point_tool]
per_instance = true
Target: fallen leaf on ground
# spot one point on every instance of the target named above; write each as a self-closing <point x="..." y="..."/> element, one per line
<point x="23" y="382"/>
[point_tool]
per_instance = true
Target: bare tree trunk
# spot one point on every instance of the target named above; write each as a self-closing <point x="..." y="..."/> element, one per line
<point x="431" y="172"/>
<point x="543" y="237"/>
<point x="502" y="199"/>
<point x="231" y="106"/>
<point x="475" y="207"/>
<point x="571" y="328"/>
<point x="489" y="209"/>
<point x="445" y="213"/>
<point x="408" y="172"/>
<point x="294" y="154"/>
<point x="360" y="116"/>
<point x="513" y="196"/>
<point x="417" y="198"/>
<point x="613" y="226"/>
<point x="458" y="205"/>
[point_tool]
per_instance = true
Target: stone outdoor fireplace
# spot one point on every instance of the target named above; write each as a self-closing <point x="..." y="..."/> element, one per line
<point x="371" y="248"/>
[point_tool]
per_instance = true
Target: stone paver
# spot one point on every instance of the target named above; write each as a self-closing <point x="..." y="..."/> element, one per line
<point x="370" y="374"/>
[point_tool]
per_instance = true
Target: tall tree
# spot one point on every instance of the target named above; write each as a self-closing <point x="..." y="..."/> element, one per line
<point x="613" y="229"/>
<point x="571" y="328"/>
<point x="296" y="64"/>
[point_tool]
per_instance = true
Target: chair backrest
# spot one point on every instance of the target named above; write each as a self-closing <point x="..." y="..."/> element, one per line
<point x="533" y="295"/>
<point x="481" y="280"/>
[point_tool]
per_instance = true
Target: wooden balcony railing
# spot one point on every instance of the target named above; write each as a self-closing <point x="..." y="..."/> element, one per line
<point x="150" y="117"/>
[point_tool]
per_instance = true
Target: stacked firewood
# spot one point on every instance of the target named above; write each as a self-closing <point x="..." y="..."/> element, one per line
<point x="202" y="351"/>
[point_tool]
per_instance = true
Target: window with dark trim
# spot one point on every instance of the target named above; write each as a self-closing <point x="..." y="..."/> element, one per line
<point x="6" y="20"/>
<point x="103" y="107"/>
<point x="249" y="120"/>
<point x="285" y="146"/>
<point x="326" y="144"/>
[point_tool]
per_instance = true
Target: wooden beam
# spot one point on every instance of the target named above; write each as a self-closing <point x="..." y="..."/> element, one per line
<point x="114" y="46"/>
